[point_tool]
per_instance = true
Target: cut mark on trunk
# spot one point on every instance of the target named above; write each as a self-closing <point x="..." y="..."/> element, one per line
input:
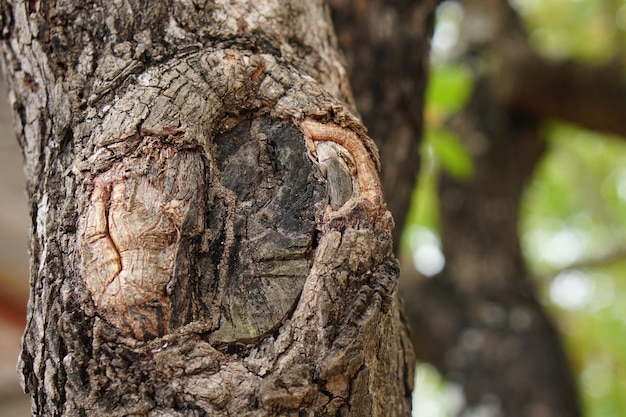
<point x="366" y="173"/>
<point x="174" y="234"/>
<point x="141" y="208"/>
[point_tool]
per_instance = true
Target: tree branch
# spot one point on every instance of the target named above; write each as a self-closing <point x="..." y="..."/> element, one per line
<point x="591" y="97"/>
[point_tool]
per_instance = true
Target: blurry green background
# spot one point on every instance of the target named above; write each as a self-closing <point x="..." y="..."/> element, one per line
<point x="573" y="227"/>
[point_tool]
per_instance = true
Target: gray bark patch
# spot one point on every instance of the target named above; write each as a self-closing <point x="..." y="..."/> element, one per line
<point x="277" y="190"/>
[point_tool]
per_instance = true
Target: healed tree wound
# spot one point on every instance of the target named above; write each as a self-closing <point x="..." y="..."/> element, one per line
<point x="238" y="247"/>
<point x="366" y="172"/>
<point x="235" y="245"/>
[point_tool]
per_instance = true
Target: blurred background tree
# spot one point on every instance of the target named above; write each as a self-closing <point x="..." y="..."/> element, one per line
<point x="524" y="141"/>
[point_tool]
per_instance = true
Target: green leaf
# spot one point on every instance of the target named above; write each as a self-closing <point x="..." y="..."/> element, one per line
<point x="448" y="90"/>
<point x="451" y="153"/>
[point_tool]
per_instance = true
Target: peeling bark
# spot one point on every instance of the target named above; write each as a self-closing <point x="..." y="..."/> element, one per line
<point x="208" y="236"/>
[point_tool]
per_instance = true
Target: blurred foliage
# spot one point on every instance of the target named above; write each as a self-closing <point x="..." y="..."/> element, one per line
<point x="448" y="90"/>
<point x="430" y="399"/>
<point x="579" y="196"/>
<point x="450" y="152"/>
<point x="577" y="29"/>
<point x="573" y="219"/>
<point x="573" y="233"/>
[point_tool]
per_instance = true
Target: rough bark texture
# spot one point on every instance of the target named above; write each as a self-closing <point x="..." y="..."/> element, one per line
<point x="208" y="231"/>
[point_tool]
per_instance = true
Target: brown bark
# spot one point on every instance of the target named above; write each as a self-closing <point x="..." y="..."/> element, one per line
<point x="209" y="235"/>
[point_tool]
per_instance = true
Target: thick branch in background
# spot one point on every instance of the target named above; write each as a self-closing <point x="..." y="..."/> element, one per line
<point x="209" y="235"/>
<point x="591" y="97"/>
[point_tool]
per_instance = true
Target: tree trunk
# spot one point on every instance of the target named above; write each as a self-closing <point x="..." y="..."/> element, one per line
<point x="208" y="231"/>
<point x="479" y="321"/>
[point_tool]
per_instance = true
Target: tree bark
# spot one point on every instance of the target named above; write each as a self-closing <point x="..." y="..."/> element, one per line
<point x="208" y="230"/>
